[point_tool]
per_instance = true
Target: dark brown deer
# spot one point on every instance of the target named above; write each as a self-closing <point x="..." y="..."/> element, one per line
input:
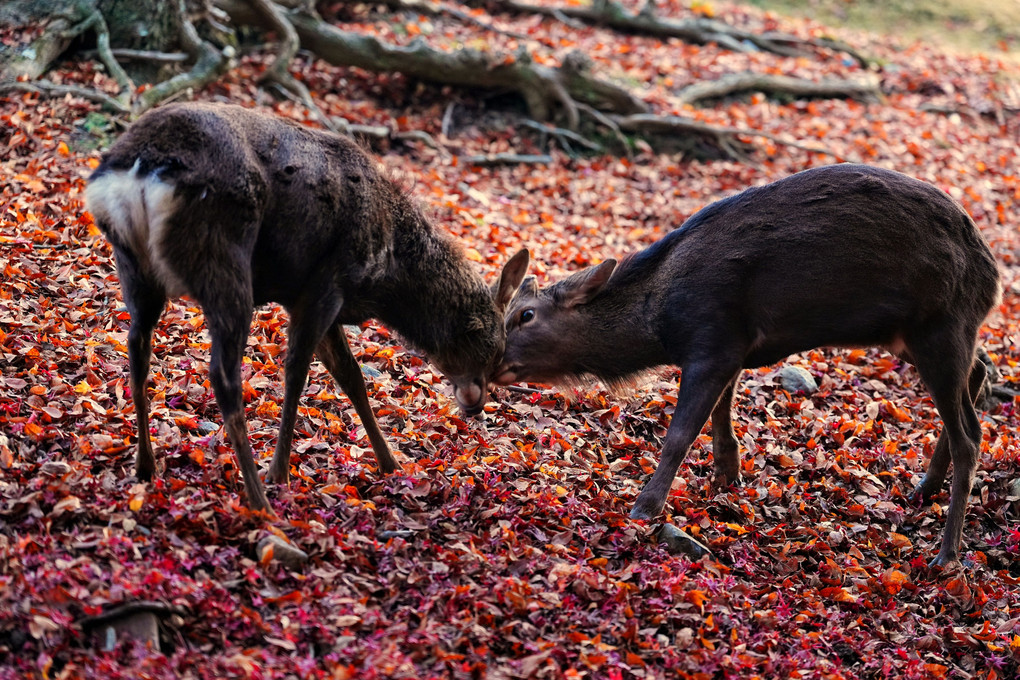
<point x="237" y="208"/>
<point x="845" y="255"/>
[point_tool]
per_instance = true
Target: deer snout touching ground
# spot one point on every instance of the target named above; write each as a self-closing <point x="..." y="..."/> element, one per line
<point x="845" y="255"/>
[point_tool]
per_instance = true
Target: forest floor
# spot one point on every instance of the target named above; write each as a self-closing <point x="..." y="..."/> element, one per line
<point x="503" y="549"/>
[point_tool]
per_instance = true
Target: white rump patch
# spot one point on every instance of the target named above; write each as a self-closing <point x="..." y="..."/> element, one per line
<point x="138" y="211"/>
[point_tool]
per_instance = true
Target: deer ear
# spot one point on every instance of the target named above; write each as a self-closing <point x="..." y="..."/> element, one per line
<point x="511" y="277"/>
<point x="529" y="287"/>
<point x="581" y="287"/>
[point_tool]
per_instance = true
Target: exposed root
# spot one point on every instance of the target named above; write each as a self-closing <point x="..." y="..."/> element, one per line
<point x="866" y="90"/>
<point x="697" y="31"/>
<point x="706" y="136"/>
<point x="48" y="89"/>
<point x="210" y="64"/>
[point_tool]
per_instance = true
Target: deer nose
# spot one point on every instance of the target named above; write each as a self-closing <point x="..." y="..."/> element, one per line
<point x="470" y="396"/>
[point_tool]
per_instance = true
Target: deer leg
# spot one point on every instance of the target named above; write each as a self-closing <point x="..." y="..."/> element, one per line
<point x="306" y="330"/>
<point x="725" y="452"/>
<point x="946" y="374"/>
<point x="145" y="300"/>
<point x="938" y="466"/>
<point x="701" y="384"/>
<point x="335" y="353"/>
<point x="229" y="331"/>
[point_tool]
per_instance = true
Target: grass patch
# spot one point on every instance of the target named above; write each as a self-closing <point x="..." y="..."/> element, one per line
<point x="990" y="26"/>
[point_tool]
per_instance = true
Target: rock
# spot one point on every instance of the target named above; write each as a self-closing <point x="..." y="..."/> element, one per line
<point x="207" y="426"/>
<point x="796" y="379"/>
<point x="681" y="543"/>
<point x="285" y="553"/>
<point x="55" y="468"/>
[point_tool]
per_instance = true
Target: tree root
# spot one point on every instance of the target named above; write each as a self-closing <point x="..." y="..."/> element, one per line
<point x="278" y="72"/>
<point x="861" y="90"/>
<point x="696" y="31"/>
<point x="564" y="137"/>
<point x="210" y="64"/>
<point x="97" y="23"/>
<point x="704" y="138"/>
<point x="47" y="89"/>
<point x="427" y="8"/>
<point x="544" y="89"/>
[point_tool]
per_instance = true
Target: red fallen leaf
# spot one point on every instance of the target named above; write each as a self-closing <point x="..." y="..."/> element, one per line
<point x="186" y="422"/>
<point x="936" y="670"/>
<point x="893" y="580"/>
<point x="635" y="660"/>
<point x="697" y="598"/>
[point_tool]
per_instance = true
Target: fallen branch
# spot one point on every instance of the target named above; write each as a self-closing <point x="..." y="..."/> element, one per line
<point x="861" y="90"/>
<point x="496" y="159"/>
<point x="142" y="55"/>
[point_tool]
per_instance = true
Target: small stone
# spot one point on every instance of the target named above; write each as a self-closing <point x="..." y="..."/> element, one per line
<point x="207" y="426"/>
<point x="681" y="543"/>
<point x="796" y="379"/>
<point x="55" y="468"/>
<point x="373" y="373"/>
<point x="285" y="553"/>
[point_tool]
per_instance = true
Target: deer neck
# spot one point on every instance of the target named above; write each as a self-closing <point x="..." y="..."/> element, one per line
<point x="619" y="339"/>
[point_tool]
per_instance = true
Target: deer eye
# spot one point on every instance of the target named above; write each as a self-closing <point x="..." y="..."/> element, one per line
<point x="527" y="315"/>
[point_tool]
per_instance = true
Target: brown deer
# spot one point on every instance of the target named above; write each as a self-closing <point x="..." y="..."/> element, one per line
<point x="237" y="208"/>
<point x="845" y="255"/>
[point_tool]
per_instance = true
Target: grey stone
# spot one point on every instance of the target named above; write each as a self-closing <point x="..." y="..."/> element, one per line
<point x="796" y="379"/>
<point x="681" y="543"/>
<point x="285" y="553"/>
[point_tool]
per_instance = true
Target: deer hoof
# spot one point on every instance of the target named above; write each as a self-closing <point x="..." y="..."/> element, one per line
<point x="646" y="509"/>
<point x="145" y="471"/>
<point x="724" y="479"/>
<point x="275" y="476"/>
<point x="946" y="563"/>
<point x="924" y="491"/>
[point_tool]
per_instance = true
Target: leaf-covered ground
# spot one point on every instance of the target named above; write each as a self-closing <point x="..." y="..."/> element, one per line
<point x="503" y="548"/>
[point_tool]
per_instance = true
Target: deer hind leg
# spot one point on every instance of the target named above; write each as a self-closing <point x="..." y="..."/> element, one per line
<point x="725" y="451"/>
<point x="307" y="326"/>
<point x="228" y="321"/>
<point x="945" y="360"/>
<point x="938" y="467"/>
<point x="145" y="299"/>
<point x="335" y="353"/>
<point x="702" y="382"/>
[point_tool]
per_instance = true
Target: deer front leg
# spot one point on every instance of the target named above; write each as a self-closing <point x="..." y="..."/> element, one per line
<point x="307" y="327"/>
<point x="701" y="385"/>
<point x="335" y="353"/>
